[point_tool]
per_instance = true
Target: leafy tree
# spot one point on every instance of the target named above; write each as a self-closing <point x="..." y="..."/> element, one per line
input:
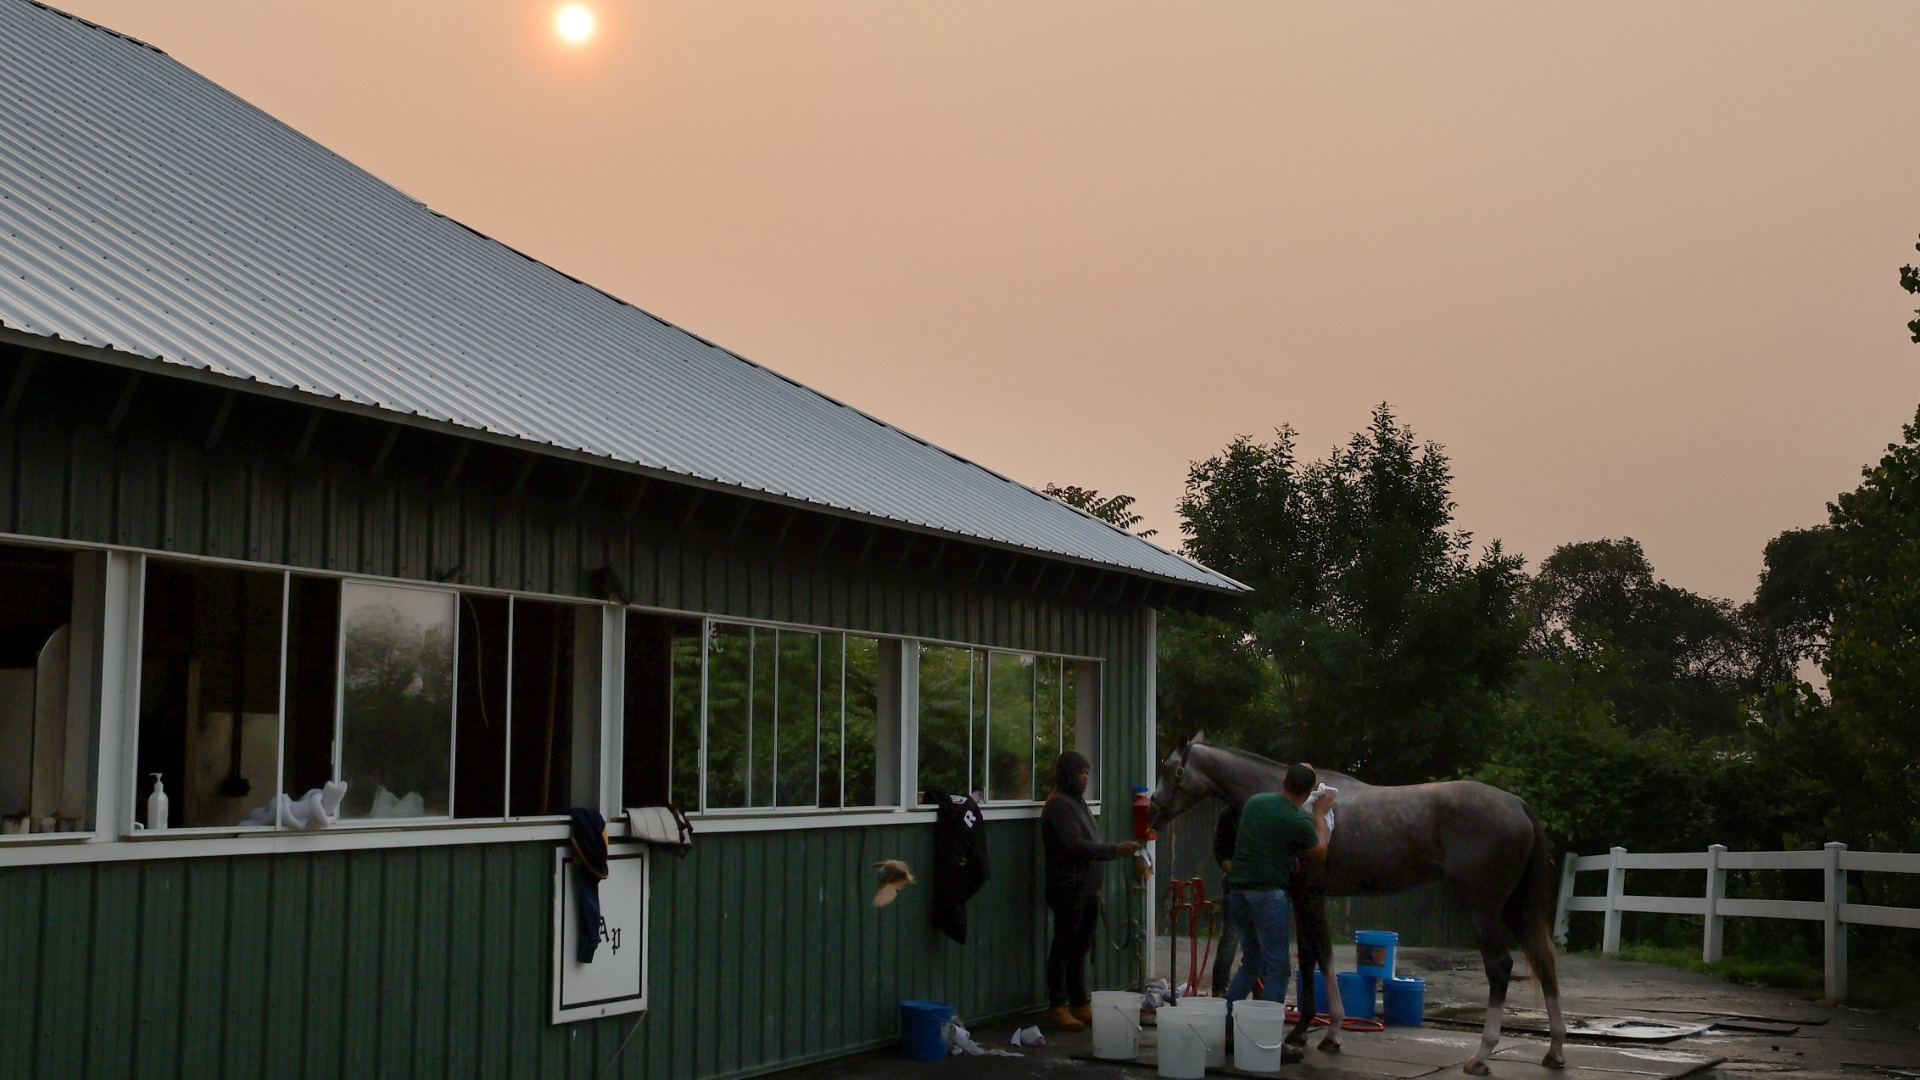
<point x="1873" y="663"/>
<point x="1669" y="658"/>
<point x="1389" y="644"/>
<point x="1791" y="613"/>
<point x="1910" y="281"/>
<point x="1115" y="510"/>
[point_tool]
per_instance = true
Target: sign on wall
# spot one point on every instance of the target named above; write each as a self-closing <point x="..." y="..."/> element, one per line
<point x="615" y="981"/>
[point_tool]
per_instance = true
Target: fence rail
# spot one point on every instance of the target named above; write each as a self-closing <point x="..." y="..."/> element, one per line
<point x="1834" y="910"/>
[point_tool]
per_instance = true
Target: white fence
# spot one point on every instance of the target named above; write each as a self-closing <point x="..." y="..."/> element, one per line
<point x="1834" y="910"/>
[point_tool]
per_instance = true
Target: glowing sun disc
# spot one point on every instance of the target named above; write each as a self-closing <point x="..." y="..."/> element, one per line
<point x="574" y="23"/>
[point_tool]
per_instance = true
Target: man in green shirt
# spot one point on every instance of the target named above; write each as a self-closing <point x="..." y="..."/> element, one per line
<point x="1274" y="831"/>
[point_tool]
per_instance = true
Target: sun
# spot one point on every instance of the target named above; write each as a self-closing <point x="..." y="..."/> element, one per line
<point x="574" y="23"/>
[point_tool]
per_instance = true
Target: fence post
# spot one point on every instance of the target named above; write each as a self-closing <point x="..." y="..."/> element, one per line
<point x="1711" y="947"/>
<point x="1616" y="888"/>
<point x="1567" y="876"/>
<point x="1836" y="894"/>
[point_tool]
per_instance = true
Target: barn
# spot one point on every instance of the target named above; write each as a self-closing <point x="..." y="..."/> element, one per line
<point x="373" y="546"/>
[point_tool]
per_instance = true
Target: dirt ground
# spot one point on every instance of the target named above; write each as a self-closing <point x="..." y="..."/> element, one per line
<point x="1724" y="1032"/>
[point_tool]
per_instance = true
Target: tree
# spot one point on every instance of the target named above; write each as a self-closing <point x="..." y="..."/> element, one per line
<point x="1662" y="656"/>
<point x="1910" y="281"/>
<point x="1389" y="645"/>
<point x="1115" y="510"/>
<point x="1873" y="662"/>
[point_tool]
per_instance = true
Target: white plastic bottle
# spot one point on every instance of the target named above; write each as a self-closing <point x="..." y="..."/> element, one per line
<point x="157" y="805"/>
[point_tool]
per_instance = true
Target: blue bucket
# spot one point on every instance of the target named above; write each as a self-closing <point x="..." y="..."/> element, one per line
<point x="923" y="1034"/>
<point x="1406" y="1002"/>
<point x="1357" y="994"/>
<point x="1319" y="988"/>
<point x="1373" y="952"/>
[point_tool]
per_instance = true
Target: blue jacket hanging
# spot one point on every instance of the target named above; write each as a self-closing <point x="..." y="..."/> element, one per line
<point x="588" y="832"/>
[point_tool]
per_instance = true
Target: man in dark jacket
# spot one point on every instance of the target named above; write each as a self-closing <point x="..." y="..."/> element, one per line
<point x="1073" y="889"/>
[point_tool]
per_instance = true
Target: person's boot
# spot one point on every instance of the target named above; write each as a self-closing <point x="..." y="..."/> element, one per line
<point x="1082" y="1013"/>
<point x="1061" y="1018"/>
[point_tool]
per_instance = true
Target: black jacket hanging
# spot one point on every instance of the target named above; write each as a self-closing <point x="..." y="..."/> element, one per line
<point x="588" y="833"/>
<point x="959" y="861"/>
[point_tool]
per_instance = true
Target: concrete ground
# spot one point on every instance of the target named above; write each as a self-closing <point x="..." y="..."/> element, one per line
<point x="1727" y="1032"/>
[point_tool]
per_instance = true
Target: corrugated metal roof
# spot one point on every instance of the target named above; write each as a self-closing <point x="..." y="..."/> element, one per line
<point x="146" y="210"/>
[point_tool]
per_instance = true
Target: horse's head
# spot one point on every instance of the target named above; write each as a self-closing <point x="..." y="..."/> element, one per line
<point x="1181" y="785"/>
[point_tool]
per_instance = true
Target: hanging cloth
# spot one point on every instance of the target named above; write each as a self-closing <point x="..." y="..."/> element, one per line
<point x="587" y="831"/>
<point x="959" y="861"/>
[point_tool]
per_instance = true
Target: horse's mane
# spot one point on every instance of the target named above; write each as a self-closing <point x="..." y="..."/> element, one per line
<point x="1280" y="767"/>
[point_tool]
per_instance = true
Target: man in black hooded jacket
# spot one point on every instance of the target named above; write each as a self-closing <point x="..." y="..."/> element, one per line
<point x="1072" y="847"/>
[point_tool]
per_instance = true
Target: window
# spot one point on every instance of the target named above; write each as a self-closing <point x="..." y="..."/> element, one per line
<point x="992" y="723"/>
<point x="50" y="611"/>
<point x="428" y="703"/>
<point x="210" y="662"/>
<point x="792" y="719"/>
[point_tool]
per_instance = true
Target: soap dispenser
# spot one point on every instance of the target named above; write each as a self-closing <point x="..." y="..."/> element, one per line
<point x="157" y="805"/>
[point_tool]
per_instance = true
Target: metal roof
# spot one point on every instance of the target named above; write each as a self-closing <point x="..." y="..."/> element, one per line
<point x="145" y="210"/>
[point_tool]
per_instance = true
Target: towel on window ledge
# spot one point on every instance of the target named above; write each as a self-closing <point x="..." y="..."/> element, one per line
<point x="588" y="832"/>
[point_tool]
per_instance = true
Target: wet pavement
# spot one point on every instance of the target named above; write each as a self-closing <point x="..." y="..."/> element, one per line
<point x="1694" y="1025"/>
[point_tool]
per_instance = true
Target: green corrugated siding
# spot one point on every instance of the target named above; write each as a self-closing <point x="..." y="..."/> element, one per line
<point x="435" y="961"/>
<point x="764" y="949"/>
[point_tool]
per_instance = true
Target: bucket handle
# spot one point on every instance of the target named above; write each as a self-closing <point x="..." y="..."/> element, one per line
<point x="1241" y="1033"/>
<point x="1134" y="1020"/>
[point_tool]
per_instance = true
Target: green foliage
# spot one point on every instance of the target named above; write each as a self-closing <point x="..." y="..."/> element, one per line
<point x="1387" y="645"/>
<point x="1910" y="281"/>
<point x="1115" y="510"/>
<point x="1873" y="663"/>
<point x="1673" y="660"/>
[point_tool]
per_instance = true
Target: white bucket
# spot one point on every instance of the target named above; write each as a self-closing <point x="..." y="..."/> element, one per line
<point x="1213" y="1025"/>
<point x="1116" y="1025"/>
<point x="1259" y="1027"/>
<point x="1183" y="1043"/>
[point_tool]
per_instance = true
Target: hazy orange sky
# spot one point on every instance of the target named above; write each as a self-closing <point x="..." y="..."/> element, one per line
<point x="1633" y="265"/>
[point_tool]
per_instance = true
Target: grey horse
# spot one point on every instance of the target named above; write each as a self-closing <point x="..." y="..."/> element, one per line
<point x="1483" y="841"/>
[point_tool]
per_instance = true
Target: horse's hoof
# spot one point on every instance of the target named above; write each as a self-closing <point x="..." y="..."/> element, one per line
<point x="1329" y="1046"/>
<point x="1552" y="1062"/>
<point x="1476" y="1068"/>
<point x="1294" y="1040"/>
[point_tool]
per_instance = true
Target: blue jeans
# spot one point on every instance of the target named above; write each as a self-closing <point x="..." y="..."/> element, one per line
<point x="1262" y="920"/>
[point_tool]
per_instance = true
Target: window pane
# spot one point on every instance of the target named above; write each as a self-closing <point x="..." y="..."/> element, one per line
<point x="763" y="738"/>
<point x="685" y="706"/>
<point x="977" y="728"/>
<point x="1081" y="702"/>
<point x="45" y="738"/>
<point x="480" y="743"/>
<point x="729" y="697"/>
<point x="832" y="650"/>
<point x="396" y="721"/>
<point x="1010" y="726"/>
<point x="552" y="668"/>
<point x="210" y="693"/>
<point x="862" y="719"/>
<point x="798" y="719"/>
<point x="313" y="675"/>
<point x="651" y="775"/>
<point x="946" y="676"/>
<point x="1046" y="721"/>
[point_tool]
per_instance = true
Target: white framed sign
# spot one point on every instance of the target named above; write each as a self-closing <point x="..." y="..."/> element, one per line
<point x="616" y="979"/>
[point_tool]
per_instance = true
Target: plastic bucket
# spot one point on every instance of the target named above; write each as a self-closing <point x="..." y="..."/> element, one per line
<point x="1116" y="1025"/>
<point x="1406" y="1002"/>
<point x="1319" y="989"/>
<point x="1213" y="1024"/>
<point x="1183" y="1042"/>
<point x="1259" y="1027"/>
<point x="1356" y="994"/>
<point x="923" y="1029"/>
<point x="1373" y="952"/>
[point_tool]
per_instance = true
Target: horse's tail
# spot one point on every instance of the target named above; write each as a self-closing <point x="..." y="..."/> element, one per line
<point x="1529" y="911"/>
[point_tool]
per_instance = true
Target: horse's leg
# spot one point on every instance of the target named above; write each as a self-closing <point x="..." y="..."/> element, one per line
<point x="1495" y="952"/>
<point x="1301" y="906"/>
<point x="1322" y="949"/>
<point x="1557" y="1025"/>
